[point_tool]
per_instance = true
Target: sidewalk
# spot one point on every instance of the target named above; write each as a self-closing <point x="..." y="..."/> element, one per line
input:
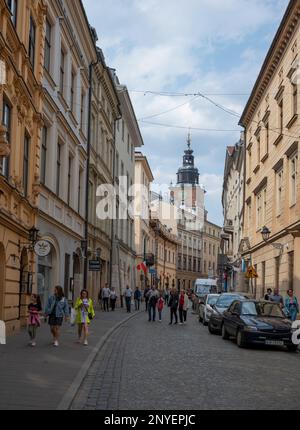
<point x="38" y="378"/>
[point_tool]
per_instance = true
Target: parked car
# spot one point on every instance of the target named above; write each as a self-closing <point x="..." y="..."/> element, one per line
<point x="254" y="322"/>
<point x="205" y="307"/>
<point x="224" y="301"/>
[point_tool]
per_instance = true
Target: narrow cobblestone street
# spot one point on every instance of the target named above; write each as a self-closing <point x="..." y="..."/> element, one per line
<point x="151" y="365"/>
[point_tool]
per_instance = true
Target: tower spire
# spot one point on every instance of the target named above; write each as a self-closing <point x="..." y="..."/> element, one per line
<point x="189" y="139"/>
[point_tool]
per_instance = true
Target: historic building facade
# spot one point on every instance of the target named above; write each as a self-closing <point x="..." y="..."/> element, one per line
<point x="21" y="63"/>
<point x="233" y="211"/>
<point x="105" y="110"/>
<point x="128" y="138"/>
<point x="211" y="241"/>
<point x="271" y="122"/>
<point x="144" y="235"/>
<point x="68" y="54"/>
<point x="188" y="198"/>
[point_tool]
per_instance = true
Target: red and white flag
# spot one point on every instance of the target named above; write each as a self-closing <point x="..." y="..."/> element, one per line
<point x="143" y="267"/>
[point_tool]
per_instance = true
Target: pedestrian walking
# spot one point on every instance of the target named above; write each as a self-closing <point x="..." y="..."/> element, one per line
<point x="85" y="313"/>
<point x="153" y="296"/>
<point x="183" y="307"/>
<point x="128" y="298"/>
<point x="160" y="306"/>
<point x="57" y="309"/>
<point x="146" y="292"/>
<point x="173" y="305"/>
<point x="167" y="296"/>
<point x="113" y="298"/>
<point x="276" y="297"/>
<point x="105" y="298"/>
<point x="34" y="309"/>
<point x="269" y="294"/>
<point x="137" y="298"/>
<point x="291" y="305"/>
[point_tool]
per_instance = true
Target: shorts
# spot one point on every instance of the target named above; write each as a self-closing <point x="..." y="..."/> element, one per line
<point x="54" y="321"/>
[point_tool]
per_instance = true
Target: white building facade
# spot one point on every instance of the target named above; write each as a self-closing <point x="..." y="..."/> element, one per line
<point x="128" y="138"/>
<point x="69" y="51"/>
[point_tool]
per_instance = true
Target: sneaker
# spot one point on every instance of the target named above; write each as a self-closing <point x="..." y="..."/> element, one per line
<point x="55" y="343"/>
<point x="33" y="344"/>
<point x="85" y="343"/>
<point x="180" y="323"/>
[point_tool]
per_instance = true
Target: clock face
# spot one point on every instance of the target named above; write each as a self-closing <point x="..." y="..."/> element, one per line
<point x="42" y="248"/>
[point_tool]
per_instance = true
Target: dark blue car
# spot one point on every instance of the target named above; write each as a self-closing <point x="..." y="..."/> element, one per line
<point x="254" y="322"/>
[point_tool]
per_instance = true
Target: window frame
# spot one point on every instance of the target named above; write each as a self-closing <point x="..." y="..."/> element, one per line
<point x="32" y="41"/>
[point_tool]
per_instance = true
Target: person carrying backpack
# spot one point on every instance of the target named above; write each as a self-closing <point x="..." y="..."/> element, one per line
<point x="153" y="298"/>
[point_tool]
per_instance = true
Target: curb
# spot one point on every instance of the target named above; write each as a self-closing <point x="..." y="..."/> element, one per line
<point x="70" y="394"/>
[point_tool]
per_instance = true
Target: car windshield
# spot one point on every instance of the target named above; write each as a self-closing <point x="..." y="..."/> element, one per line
<point x="225" y="301"/>
<point x="262" y="309"/>
<point x="201" y="289"/>
<point x="212" y="300"/>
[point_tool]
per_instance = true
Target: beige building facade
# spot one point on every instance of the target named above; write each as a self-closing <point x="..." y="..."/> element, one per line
<point x="143" y="233"/>
<point x="21" y="62"/>
<point x="211" y="241"/>
<point x="272" y="193"/>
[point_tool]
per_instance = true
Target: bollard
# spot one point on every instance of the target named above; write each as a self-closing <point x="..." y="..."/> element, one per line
<point x="2" y="333"/>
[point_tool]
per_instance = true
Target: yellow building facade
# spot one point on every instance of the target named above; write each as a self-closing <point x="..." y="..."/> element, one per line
<point x="272" y="191"/>
<point x="21" y="63"/>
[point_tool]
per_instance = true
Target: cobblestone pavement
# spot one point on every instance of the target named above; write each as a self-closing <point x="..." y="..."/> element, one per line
<point x="154" y="366"/>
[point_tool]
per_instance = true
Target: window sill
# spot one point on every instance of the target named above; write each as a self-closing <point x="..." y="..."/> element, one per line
<point x="265" y="158"/>
<point x="292" y="121"/>
<point x="292" y="206"/>
<point x="278" y="140"/>
<point x="248" y="181"/>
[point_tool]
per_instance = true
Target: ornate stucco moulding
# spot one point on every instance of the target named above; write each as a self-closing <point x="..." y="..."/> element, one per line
<point x="4" y="145"/>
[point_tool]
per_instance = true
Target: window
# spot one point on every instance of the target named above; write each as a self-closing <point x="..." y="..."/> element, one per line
<point x="295" y="99"/>
<point x="70" y="165"/>
<point x="47" y="46"/>
<point x="259" y="211"/>
<point x="32" y="35"/>
<point x="73" y="84"/>
<point x="26" y="164"/>
<point x="277" y="271"/>
<point x="6" y="121"/>
<point x="209" y="249"/>
<point x="279" y="187"/>
<point x="123" y="130"/>
<point x="82" y="110"/>
<point x="62" y="72"/>
<point x="280" y="105"/>
<point x="128" y="143"/>
<point x="13" y="6"/>
<point x="293" y="180"/>
<point x="258" y="150"/>
<point x="79" y="190"/>
<point x="44" y="155"/>
<point x="267" y="137"/>
<point x="58" y="166"/>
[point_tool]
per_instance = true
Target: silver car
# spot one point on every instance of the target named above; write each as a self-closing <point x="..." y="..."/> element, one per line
<point x="205" y="307"/>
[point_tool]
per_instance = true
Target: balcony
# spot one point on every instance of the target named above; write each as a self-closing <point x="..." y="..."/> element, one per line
<point x="228" y="227"/>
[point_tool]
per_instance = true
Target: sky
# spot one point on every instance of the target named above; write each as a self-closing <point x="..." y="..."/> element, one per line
<point x="211" y="47"/>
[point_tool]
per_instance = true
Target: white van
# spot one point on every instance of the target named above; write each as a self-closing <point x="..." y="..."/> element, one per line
<point x="202" y="287"/>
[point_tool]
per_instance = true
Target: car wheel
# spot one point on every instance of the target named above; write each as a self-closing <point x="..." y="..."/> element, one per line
<point x="239" y="340"/>
<point x="225" y="335"/>
<point x="210" y="329"/>
<point x="292" y="348"/>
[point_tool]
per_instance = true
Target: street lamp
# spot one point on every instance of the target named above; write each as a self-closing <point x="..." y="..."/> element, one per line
<point x="266" y="233"/>
<point x="33" y="235"/>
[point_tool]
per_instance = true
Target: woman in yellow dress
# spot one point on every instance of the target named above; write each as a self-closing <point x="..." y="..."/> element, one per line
<point x="84" y="314"/>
